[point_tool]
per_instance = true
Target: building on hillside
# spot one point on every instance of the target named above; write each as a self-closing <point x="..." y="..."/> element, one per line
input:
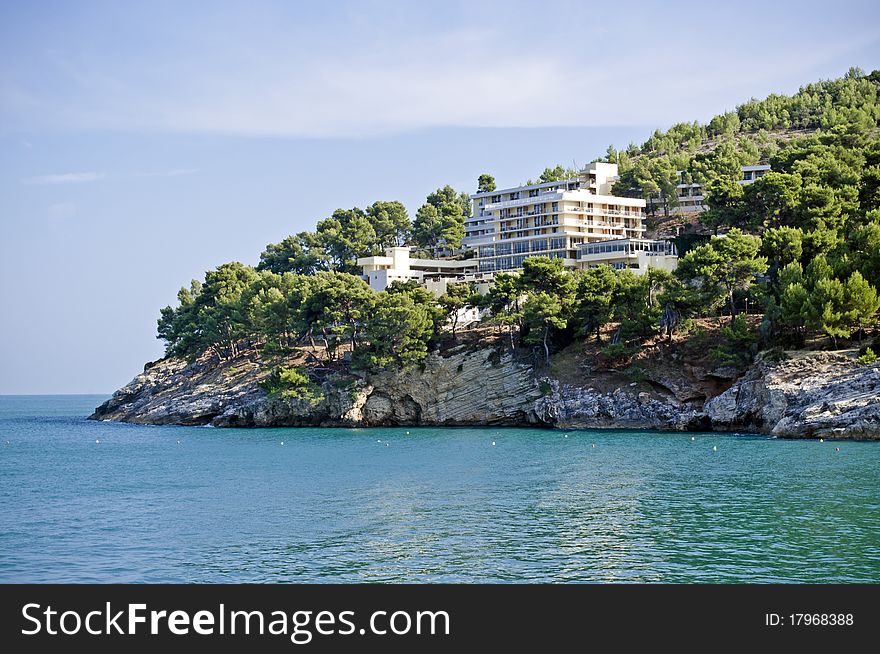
<point x="551" y="219"/>
<point x="636" y="254"/>
<point x="434" y="274"/>
<point x="561" y="219"/>
<point x="690" y="195"/>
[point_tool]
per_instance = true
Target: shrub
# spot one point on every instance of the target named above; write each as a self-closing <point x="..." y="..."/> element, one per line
<point x="868" y="357"/>
<point x="294" y="384"/>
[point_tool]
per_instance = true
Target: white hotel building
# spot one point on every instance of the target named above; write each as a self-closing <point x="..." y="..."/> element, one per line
<point x="556" y="220"/>
<point x="576" y="220"/>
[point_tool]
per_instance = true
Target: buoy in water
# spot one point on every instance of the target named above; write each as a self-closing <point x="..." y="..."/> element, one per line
<point x="821" y="440"/>
<point x="714" y="448"/>
<point x="493" y="443"/>
<point x="97" y="441"/>
<point x="693" y="439"/>
<point x="407" y="433"/>
<point x="837" y="449"/>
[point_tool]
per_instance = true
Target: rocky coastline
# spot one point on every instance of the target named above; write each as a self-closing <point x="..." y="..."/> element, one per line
<point x="805" y="395"/>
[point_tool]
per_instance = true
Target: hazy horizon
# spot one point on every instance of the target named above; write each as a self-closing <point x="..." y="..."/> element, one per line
<point x="142" y="144"/>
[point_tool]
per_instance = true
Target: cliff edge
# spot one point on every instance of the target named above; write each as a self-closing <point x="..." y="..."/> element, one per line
<point x="806" y="395"/>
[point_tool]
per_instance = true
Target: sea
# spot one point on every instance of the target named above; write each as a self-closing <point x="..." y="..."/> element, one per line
<point x="85" y="501"/>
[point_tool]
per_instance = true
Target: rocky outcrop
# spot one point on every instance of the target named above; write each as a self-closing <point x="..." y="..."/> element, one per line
<point x="573" y="407"/>
<point x="808" y="395"/>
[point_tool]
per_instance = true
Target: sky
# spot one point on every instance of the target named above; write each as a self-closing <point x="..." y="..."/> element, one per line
<point x="142" y="143"/>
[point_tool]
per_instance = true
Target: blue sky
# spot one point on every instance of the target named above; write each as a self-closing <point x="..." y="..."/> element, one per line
<point x="142" y="143"/>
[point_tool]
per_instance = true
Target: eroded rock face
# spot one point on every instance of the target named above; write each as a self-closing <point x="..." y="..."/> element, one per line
<point x="809" y="395"/>
<point x="572" y="407"/>
<point x="172" y="392"/>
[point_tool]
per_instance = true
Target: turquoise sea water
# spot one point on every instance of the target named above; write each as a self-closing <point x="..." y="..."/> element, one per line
<point x="169" y="504"/>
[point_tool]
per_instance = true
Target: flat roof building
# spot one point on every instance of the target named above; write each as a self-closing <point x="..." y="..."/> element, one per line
<point x="550" y="219"/>
<point x="634" y="254"/>
<point x="435" y="274"/>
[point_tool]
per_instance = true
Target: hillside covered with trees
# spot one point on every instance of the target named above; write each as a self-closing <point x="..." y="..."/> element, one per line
<point x="798" y="251"/>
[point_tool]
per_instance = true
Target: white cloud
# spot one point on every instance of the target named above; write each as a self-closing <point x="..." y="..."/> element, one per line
<point x="370" y="71"/>
<point x="67" y="178"/>
<point x="64" y="178"/>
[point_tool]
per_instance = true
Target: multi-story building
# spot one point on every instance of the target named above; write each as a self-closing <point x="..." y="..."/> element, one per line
<point x="552" y="219"/>
<point x="563" y="219"/>
<point x="690" y="195"/>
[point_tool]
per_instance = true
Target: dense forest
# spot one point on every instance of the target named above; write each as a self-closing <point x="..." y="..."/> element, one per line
<point x="800" y="248"/>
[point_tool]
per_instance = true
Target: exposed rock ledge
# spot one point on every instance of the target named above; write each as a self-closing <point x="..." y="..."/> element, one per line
<point x="809" y="395"/>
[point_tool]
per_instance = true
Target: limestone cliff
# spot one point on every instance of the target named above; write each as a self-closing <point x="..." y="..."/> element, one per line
<point x="809" y="395"/>
<point x="817" y="394"/>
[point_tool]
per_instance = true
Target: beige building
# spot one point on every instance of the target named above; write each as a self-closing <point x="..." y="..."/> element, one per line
<point x="551" y="219"/>
<point x="576" y="220"/>
<point x="634" y="254"/>
<point x="435" y="274"/>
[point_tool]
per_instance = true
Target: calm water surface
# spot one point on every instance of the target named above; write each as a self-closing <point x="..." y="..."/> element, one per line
<point x="196" y="504"/>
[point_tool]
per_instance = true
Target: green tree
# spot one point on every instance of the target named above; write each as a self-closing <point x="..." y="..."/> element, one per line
<point x="728" y="263"/>
<point x="485" y="183"/>
<point x="794" y="307"/>
<point x="302" y="253"/>
<point x="782" y="246"/>
<point x="826" y="309"/>
<point x="210" y="317"/>
<point x="593" y="294"/>
<point x="456" y="298"/>
<point x="339" y="304"/>
<point x="546" y="275"/>
<point x="725" y="199"/>
<point x="391" y="223"/>
<point x="398" y="331"/>
<point x="864" y="247"/>
<point x="439" y="223"/>
<point x="557" y="174"/>
<point x="542" y="312"/>
<point x="346" y="236"/>
<point x="503" y="302"/>
<point x="861" y="302"/>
